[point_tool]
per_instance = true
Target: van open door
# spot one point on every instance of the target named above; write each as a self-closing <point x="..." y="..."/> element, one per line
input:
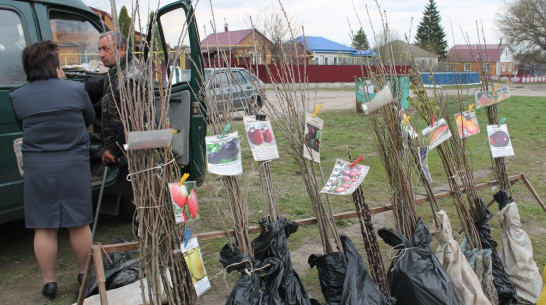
<point x="176" y="42"/>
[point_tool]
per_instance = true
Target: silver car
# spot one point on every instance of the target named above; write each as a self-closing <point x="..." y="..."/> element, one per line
<point x="233" y="88"/>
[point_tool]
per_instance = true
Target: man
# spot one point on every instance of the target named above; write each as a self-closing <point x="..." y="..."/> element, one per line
<point x="125" y="68"/>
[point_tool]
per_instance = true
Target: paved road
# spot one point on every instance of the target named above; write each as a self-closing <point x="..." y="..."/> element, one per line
<point x="342" y="95"/>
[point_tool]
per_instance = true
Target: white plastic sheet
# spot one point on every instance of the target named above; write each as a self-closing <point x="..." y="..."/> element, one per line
<point x="516" y="253"/>
<point x="457" y="266"/>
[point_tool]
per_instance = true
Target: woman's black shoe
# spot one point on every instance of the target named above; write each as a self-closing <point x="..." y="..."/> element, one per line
<point x="50" y="290"/>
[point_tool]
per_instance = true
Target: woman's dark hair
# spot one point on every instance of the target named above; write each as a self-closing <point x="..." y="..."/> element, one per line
<point x="41" y="60"/>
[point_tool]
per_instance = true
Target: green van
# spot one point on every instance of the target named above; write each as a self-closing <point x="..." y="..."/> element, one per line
<point x="76" y="28"/>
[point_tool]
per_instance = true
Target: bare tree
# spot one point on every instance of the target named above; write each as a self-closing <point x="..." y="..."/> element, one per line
<point x="275" y="23"/>
<point x="523" y="25"/>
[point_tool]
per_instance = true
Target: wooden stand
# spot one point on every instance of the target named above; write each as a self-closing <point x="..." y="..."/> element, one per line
<point x="94" y="261"/>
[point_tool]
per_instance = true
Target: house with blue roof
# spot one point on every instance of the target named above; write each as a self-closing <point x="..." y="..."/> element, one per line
<point x="327" y="52"/>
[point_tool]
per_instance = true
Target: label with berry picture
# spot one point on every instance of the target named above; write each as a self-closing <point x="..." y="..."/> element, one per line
<point x="499" y="141"/>
<point x="224" y="154"/>
<point x="184" y="201"/>
<point x="261" y="138"/>
<point x="312" y="137"/>
<point x="344" y="180"/>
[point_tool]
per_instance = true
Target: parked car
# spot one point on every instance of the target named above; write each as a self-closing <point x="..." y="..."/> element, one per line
<point x="234" y="88"/>
<point x="76" y="29"/>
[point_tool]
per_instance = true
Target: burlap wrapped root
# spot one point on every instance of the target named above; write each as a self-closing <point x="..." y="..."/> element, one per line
<point x="460" y="271"/>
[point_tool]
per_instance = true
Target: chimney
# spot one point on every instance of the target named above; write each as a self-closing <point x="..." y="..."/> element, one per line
<point x="225" y="27"/>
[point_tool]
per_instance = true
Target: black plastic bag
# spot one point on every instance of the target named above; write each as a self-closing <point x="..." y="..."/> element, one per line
<point x="269" y="277"/>
<point x="415" y="276"/>
<point x="272" y="242"/>
<point x="120" y="272"/>
<point x="259" y="281"/>
<point x="344" y="278"/>
<point x="505" y="288"/>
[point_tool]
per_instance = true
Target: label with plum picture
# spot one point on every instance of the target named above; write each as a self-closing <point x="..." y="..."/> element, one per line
<point x="499" y="141"/>
<point x="224" y="154"/>
<point x="344" y="180"/>
<point x="184" y="201"/>
<point x="312" y="137"/>
<point x="261" y="138"/>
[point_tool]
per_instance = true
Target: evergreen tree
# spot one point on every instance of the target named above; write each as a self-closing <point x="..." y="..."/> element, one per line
<point x="430" y="34"/>
<point x="124" y="21"/>
<point x="360" y="41"/>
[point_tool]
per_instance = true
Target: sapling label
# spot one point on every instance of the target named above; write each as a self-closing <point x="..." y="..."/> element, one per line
<point x="312" y="137"/>
<point x="184" y="201"/>
<point x="196" y="266"/>
<point x="467" y="123"/>
<point x="261" y="138"/>
<point x="224" y="155"/>
<point x="499" y="141"/>
<point x="345" y="179"/>
<point x="436" y="134"/>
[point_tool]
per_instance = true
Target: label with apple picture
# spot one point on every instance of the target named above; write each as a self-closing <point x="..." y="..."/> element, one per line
<point x="224" y="154"/>
<point x="196" y="266"/>
<point x="312" y="137"/>
<point x="344" y="180"/>
<point x="184" y="201"/>
<point x="499" y="141"/>
<point x="261" y="138"/>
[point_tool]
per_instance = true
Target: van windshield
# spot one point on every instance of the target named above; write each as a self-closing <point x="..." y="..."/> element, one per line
<point x="76" y="38"/>
<point x="12" y="43"/>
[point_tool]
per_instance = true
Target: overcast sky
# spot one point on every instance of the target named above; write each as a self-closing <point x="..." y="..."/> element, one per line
<point x="335" y="19"/>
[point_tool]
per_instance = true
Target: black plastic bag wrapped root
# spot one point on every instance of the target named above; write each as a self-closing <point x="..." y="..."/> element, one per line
<point x="269" y="278"/>
<point x="505" y="288"/>
<point x="344" y="278"/>
<point x="415" y="276"/>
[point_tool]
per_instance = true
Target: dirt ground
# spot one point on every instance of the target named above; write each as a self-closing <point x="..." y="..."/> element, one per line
<point x="27" y="280"/>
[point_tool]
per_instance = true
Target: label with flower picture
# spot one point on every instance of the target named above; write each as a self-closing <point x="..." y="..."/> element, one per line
<point x="344" y="180"/>
<point x="184" y="201"/>
<point x="499" y="141"/>
<point x="312" y="137"/>
<point x="261" y="138"/>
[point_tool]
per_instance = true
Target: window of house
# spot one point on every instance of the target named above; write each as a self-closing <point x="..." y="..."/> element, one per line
<point x="335" y="60"/>
<point x="487" y="67"/>
<point x="255" y="58"/>
<point x="503" y="67"/>
<point x="510" y="67"/>
<point x="325" y="60"/>
<point x="467" y="67"/>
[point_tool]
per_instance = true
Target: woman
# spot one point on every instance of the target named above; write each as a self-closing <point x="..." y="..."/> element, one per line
<point x="54" y="114"/>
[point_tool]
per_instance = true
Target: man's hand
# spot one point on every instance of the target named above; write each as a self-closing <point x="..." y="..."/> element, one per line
<point x="107" y="157"/>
